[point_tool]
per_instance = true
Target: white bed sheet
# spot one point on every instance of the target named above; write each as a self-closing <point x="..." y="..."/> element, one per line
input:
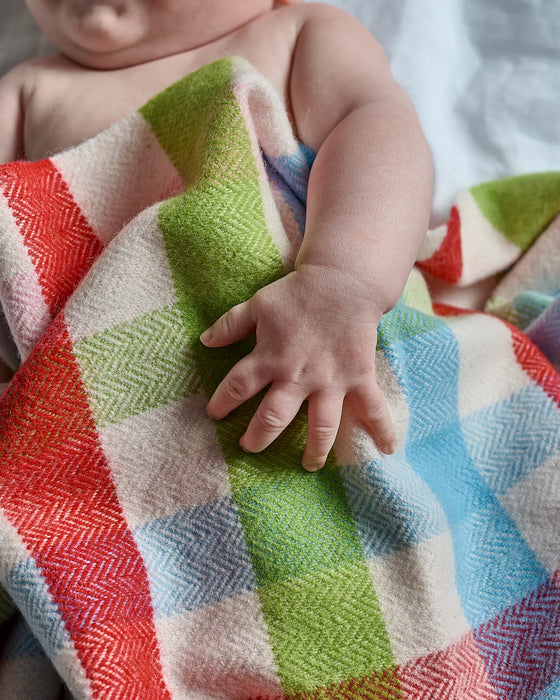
<point x="483" y="75"/>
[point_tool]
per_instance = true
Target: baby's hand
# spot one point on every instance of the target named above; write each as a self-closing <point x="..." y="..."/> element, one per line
<point x="316" y="336"/>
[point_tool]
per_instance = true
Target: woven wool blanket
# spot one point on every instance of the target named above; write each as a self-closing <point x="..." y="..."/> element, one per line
<point x="143" y="555"/>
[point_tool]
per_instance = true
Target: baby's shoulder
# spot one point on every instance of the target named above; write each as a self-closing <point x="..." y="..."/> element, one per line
<point x="311" y="13"/>
<point x="272" y="40"/>
<point x="15" y="78"/>
<point x="45" y="71"/>
<point x="318" y="26"/>
<point x="291" y="19"/>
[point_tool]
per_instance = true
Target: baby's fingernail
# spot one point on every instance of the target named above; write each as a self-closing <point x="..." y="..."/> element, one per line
<point x="247" y="447"/>
<point x="390" y="447"/>
<point x="311" y="466"/>
<point x="206" y="337"/>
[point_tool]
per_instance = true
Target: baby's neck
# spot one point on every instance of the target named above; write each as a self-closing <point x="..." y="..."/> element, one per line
<point x="101" y="37"/>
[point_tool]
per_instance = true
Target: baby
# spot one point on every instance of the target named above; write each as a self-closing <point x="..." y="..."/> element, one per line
<point x="369" y="192"/>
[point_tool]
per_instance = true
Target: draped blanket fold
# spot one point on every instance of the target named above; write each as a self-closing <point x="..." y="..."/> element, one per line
<point x="144" y="555"/>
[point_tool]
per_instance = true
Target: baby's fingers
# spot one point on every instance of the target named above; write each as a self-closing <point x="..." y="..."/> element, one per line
<point x="240" y="384"/>
<point x="232" y="326"/>
<point x="372" y="410"/>
<point x="275" y="412"/>
<point x="323" y="419"/>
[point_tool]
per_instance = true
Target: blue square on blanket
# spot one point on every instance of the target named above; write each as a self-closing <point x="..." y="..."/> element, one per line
<point x="494" y="565"/>
<point x="392" y="506"/>
<point x="195" y="558"/>
<point x="521" y="428"/>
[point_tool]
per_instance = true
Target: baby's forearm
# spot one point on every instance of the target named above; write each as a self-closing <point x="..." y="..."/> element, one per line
<point x="369" y="198"/>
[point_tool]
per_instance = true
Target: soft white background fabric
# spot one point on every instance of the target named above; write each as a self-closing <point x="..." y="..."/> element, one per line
<point x="484" y="77"/>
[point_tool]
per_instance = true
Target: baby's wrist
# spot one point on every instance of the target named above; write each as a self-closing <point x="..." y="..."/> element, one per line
<point x="372" y="288"/>
<point x="340" y="283"/>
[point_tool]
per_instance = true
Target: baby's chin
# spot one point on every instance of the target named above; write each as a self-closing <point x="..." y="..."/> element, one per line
<point x="96" y="29"/>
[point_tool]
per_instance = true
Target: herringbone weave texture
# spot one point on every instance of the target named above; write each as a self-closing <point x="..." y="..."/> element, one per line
<point x="144" y="555"/>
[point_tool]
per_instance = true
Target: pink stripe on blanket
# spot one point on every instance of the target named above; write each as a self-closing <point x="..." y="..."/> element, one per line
<point x="56" y="490"/>
<point x="61" y="243"/>
<point x="455" y="673"/>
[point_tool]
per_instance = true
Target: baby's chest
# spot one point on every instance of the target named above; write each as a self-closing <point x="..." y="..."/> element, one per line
<point x="65" y="109"/>
<point x="66" y="117"/>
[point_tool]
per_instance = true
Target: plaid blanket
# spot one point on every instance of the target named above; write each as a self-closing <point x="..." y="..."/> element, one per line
<point x="144" y="555"/>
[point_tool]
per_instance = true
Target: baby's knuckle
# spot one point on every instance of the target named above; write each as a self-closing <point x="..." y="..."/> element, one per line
<point x="270" y="420"/>
<point x="324" y="432"/>
<point x="228" y="324"/>
<point x="236" y="388"/>
<point x="377" y="414"/>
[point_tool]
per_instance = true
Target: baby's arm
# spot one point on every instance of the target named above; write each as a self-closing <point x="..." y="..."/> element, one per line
<point x="368" y="208"/>
<point x="11" y="116"/>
